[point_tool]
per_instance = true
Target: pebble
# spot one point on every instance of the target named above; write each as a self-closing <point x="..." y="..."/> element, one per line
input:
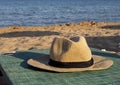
<point x="103" y="49"/>
<point x="118" y="44"/>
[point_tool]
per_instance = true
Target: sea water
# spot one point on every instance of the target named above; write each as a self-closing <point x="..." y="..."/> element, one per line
<point x="49" y="12"/>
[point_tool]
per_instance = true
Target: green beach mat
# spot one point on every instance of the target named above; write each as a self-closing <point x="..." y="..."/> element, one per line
<point x="18" y="72"/>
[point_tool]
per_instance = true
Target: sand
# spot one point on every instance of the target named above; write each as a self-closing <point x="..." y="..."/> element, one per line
<point x="100" y="35"/>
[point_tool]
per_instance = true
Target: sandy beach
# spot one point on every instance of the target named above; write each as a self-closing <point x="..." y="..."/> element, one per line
<point x="100" y="35"/>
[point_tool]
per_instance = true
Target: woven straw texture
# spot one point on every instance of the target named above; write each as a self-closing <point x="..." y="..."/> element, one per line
<point x="18" y="72"/>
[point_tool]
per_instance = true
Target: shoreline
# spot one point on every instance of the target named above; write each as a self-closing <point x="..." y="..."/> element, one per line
<point x="100" y="35"/>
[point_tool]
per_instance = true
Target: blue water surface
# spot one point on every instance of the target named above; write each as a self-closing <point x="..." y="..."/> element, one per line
<point x="48" y="12"/>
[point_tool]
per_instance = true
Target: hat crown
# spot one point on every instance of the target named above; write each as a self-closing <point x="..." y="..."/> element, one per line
<point x="70" y="50"/>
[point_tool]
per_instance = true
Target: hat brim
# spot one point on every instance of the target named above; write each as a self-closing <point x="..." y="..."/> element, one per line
<point x="42" y="63"/>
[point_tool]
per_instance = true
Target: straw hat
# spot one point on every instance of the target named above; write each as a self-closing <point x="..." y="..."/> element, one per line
<point x="70" y="55"/>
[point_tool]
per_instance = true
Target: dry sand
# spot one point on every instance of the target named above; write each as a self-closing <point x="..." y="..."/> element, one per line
<point x="100" y="35"/>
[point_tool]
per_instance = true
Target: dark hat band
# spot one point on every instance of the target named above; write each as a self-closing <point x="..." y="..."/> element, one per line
<point x="71" y="64"/>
